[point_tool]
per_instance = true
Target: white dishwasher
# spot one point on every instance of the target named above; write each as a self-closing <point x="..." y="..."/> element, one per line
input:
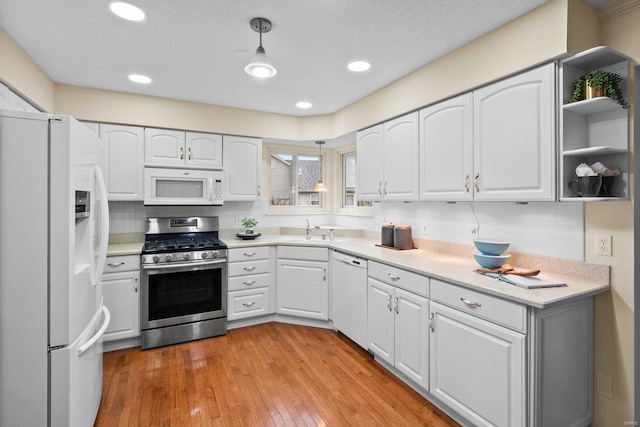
<point x="349" y="296"/>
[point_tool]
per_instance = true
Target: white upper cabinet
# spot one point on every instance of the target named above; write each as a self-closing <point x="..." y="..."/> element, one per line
<point x="170" y="148"/>
<point x="204" y="150"/>
<point x="446" y="150"/>
<point x="4" y="96"/>
<point x="242" y="168"/>
<point x="17" y="103"/>
<point x="124" y="161"/>
<point x="514" y="138"/>
<point x="388" y="163"/>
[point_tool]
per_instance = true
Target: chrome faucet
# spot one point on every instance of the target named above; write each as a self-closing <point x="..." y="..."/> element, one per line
<point x="311" y="230"/>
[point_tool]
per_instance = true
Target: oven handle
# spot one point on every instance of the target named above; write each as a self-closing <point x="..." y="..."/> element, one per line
<point x="184" y="264"/>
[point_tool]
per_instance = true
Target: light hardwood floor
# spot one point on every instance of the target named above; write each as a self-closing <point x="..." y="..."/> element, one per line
<point x="272" y="374"/>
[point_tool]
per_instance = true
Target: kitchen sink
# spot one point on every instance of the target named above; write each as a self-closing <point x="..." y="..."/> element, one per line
<point x="314" y="239"/>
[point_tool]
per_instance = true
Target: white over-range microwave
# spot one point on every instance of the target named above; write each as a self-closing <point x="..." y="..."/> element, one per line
<point x="182" y="187"/>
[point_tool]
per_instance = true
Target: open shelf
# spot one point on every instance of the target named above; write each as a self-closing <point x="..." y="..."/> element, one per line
<point x="593" y="105"/>
<point x="594" y="151"/>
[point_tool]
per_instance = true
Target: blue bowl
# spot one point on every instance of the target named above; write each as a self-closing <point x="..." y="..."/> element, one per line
<point x="490" y="246"/>
<point x="491" y="261"/>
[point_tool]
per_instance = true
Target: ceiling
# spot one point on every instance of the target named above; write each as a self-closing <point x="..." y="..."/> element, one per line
<point x="196" y="50"/>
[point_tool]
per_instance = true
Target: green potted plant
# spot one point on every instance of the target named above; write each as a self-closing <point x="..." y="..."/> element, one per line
<point x="248" y="224"/>
<point x="598" y="83"/>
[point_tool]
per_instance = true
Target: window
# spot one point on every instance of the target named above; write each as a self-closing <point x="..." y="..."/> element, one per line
<point x="349" y="182"/>
<point x="293" y="178"/>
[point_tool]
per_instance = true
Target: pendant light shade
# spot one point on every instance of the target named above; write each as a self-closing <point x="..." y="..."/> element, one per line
<point x="320" y="185"/>
<point x="260" y="66"/>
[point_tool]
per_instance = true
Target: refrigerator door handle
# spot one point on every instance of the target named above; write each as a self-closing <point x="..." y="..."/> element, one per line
<point x="104" y="226"/>
<point x="107" y="319"/>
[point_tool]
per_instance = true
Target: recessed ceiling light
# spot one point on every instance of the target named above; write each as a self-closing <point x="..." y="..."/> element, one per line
<point x="304" y="104"/>
<point x="127" y="11"/>
<point x="359" y="66"/>
<point x="139" y="78"/>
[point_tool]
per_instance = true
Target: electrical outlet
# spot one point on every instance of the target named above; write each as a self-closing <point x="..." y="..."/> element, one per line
<point x="425" y="229"/>
<point x="474" y="232"/>
<point x="603" y="245"/>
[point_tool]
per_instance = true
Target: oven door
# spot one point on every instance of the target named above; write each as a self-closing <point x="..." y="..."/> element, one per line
<point x="174" y="294"/>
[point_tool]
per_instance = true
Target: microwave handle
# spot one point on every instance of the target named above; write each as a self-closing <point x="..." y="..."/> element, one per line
<point x="211" y="189"/>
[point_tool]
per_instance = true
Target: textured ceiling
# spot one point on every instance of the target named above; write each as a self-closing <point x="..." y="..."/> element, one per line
<point x="196" y="50"/>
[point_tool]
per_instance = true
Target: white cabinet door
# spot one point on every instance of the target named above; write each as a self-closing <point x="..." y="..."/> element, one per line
<point x="17" y="103"/>
<point x="4" y="96"/>
<point x="381" y="320"/>
<point x="514" y="137"/>
<point x="369" y="172"/>
<point x="411" y="336"/>
<point x="124" y="164"/>
<point x="121" y="296"/>
<point x="302" y="289"/>
<point x="446" y="150"/>
<point x="204" y="150"/>
<point x="401" y="160"/>
<point x="242" y="167"/>
<point x="163" y="147"/>
<point x="477" y="368"/>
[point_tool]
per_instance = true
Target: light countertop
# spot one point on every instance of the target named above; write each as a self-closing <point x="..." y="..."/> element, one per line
<point x="117" y="249"/>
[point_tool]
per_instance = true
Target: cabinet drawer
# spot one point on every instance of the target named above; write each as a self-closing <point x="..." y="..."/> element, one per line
<point x="249" y="303"/>
<point x="241" y="283"/>
<point x="303" y="253"/>
<point x="248" y="267"/>
<point x="401" y="278"/>
<point x="247" y="254"/>
<point x="122" y="263"/>
<point x="503" y="312"/>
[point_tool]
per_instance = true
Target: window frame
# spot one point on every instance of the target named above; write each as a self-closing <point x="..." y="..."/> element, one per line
<point x="350" y="210"/>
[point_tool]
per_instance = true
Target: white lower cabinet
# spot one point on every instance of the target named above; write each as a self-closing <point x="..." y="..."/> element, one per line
<point x="303" y="287"/>
<point x="477" y="368"/>
<point x="120" y="289"/>
<point x="398" y="331"/>
<point x="249" y="284"/>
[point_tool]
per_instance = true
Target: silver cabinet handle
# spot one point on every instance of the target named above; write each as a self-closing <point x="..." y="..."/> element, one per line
<point x="189" y="151"/>
<point x="135" y="284"/>
<point x="249" y="253"/>
<point x="470" y="303"/>
<point x="248" y="268"/>
<point x="389" y="302"/>
<point x="475" y="182"/>
<point x="258" y="190"/>
<point x="392" y="277"/>
<point x="181" y="153"/>
<point x="324" y="274"/>
<point x="431" y="323"/>
<point x="115" y="264"/>
<point x="466" y="183"/>
<point x="380" y="188"/>
<point x="248" y="304"/>
<point x="396" y="304"/>
<point x="384" y="190"/>
<point x="249" y="283"/>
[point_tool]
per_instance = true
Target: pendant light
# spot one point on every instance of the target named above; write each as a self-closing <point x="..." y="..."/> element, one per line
<point x="260" y="66"/>
<point x="320" y="185"/>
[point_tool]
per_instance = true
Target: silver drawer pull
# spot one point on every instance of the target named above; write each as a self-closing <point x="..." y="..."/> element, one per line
<point x="389" y="302"/>
<point x="249" y="253"/>
<point x="248" y="268"/>
<point x="392" y="277"/>
<point x="470" y="303"/>
<point x="431" y="323"/>
<point x="249" y="283"/>
<point x="115" y="264"/>
<point x="248" y="304"/>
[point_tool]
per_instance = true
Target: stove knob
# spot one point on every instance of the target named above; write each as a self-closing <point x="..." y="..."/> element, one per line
<point x="187" y="255"/>
<point x="167" y="257"/>
<point x="204" y="255"/>
<point x="156" y="258"/>
<point x="215" y="254"/>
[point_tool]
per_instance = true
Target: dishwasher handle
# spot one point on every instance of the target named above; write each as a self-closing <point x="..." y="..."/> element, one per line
<point x="350" y="260"/>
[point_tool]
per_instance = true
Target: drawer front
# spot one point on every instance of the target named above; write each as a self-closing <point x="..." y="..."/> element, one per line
<point x="303" y="253"/>
<point x="248" y="267"/>
<point x="248" y="254"/>
<point x="241" y="283"/>
<point x="249" y="303"/>
<point x="500" y="311"/>
<point x="122" y="263"/>
<point x="401" y="278"/>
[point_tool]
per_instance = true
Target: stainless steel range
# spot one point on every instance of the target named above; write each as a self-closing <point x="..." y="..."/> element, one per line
<point x="184" y="281"/>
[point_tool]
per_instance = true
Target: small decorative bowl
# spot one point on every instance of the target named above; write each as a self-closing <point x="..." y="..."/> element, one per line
<point x="491" y="261"/>
<point x="491" y="246"/>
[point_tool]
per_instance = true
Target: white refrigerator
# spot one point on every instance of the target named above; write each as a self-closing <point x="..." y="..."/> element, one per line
<point x="54" y="223"/>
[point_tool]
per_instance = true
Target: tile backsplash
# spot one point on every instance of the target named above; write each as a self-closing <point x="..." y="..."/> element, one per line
<point x="543" y="228"/>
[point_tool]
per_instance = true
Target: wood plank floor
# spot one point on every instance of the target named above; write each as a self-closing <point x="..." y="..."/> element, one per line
<point x="272" y="374"/>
